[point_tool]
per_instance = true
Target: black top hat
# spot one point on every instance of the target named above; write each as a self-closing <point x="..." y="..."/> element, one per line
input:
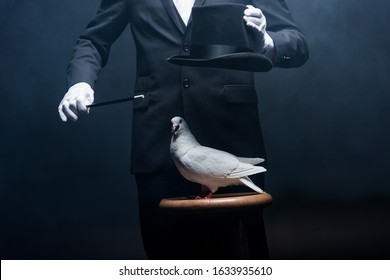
<point x="220" y="38"/>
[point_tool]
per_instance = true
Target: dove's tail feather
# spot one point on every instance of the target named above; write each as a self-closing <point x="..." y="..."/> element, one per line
<point x="252" y="161"/>
<point x="248" y="182"/>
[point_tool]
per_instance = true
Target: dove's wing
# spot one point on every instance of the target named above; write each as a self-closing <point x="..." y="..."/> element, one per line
<point x="252" y="161"/>
<point x="207" y="161"/>
<point x="245" y="169"/>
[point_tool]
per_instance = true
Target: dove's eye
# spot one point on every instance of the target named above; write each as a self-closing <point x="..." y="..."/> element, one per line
<point x="180" y="121"/>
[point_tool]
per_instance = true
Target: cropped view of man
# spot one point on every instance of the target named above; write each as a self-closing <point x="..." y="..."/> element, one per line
<point x="220" y="105"/>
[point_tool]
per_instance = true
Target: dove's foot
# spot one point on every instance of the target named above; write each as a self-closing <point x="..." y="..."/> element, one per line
<point x="210" y="195"/>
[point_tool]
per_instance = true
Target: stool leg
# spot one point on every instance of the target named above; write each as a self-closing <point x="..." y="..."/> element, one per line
<point x="254" y="229"/>
<point x="209" y="236"/>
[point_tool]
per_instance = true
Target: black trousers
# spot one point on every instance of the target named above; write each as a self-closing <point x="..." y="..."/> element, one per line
<point x="184" y="237"/>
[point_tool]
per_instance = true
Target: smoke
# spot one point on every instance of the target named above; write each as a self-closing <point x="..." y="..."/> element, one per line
<point x="326" y="123"/>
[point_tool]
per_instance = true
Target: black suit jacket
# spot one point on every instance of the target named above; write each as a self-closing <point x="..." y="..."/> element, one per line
<point x="220" y="106"/>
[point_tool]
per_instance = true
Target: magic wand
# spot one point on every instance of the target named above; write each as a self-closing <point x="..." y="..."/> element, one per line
<point x="115" y="101"/>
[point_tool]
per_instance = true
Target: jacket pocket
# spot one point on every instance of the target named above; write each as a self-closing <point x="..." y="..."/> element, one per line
<point x="243" y="94"/>
<point x="141" y="100"/>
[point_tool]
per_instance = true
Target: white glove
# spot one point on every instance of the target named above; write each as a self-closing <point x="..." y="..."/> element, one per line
<point x="75" y="102"/>
<point x="254" y="18"/>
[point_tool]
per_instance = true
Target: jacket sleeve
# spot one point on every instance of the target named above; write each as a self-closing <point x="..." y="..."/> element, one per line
<point x="93" y="46"/>
<point x="290" y="45"/>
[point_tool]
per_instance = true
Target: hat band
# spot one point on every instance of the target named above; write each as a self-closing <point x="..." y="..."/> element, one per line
<point x="215" y="50"/>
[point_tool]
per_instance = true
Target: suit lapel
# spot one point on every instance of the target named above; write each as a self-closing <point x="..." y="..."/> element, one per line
<point x="174" y="15"/>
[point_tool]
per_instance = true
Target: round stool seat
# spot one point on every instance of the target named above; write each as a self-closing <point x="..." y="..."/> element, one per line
<point x="220" y="202"/>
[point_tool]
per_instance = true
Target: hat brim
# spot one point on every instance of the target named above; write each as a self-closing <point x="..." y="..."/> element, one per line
<point x="245" y="61"/>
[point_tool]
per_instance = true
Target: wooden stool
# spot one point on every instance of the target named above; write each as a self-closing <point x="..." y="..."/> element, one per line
<point x="230" y="225"/>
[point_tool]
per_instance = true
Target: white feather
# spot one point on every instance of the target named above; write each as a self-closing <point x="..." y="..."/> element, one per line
<point x="252" y="161"/>
<point x="250" y="184"/>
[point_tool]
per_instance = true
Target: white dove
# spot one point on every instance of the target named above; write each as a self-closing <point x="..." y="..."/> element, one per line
<point x="209" y="167"/>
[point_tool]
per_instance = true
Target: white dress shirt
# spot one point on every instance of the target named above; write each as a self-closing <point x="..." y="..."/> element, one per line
<point x="184" y="8"/>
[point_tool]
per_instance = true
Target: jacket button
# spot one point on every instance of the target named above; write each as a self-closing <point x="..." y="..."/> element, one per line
<point x="186" y="83"/>
<point x="186" y="47"/>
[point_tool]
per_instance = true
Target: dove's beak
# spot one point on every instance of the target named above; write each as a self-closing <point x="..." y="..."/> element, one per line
<point x="175" y="128"/>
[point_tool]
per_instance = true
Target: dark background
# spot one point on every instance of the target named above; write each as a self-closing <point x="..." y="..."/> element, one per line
<point x="65" y="188"/>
